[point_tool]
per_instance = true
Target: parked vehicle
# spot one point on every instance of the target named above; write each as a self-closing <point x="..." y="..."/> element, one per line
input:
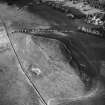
<point x="53" y="4"/>
<point x="86" y="9"/>
<point x="49" y="3"/>
<point x="58" y="6"/>
<point x="85" y="3"/>
<point x="65" y="9"/>
<point x="70" y="16"/>
<point x="38" y="2"/>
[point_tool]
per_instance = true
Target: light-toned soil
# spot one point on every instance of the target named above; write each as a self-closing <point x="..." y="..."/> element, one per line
<point x="57" y="77"/>
<point x="15" y="89"/>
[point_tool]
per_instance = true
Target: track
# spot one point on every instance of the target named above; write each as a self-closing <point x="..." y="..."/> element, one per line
<point x="41" y="98"/>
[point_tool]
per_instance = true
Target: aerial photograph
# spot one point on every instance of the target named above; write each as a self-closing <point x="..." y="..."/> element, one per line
<point x="52" y="52"/>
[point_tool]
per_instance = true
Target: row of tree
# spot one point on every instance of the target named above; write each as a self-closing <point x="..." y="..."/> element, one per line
<point x="97" y="3"/>
<point x="16" y="2"/>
